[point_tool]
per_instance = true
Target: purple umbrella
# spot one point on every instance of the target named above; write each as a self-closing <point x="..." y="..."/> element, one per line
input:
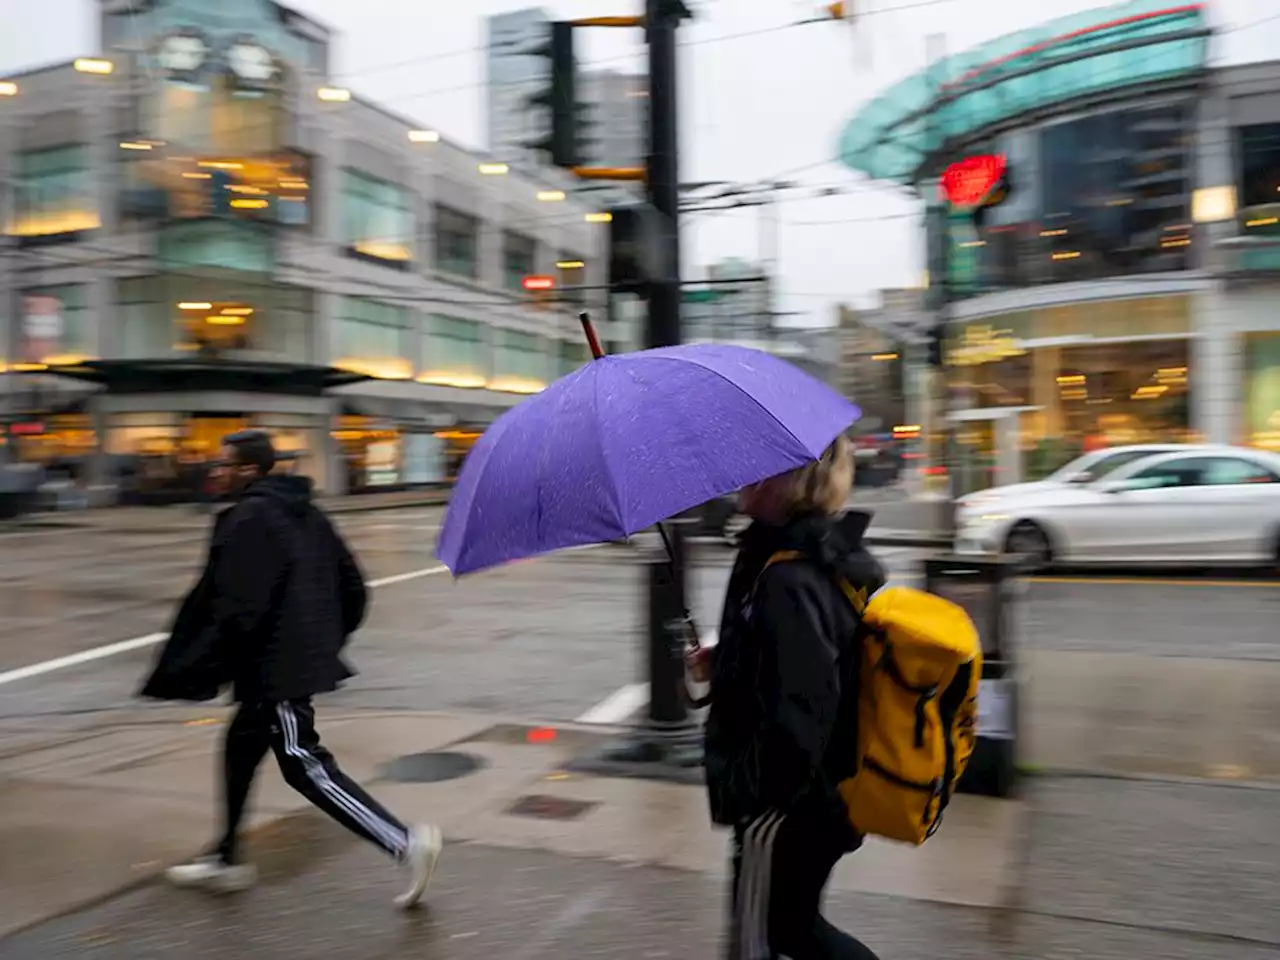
<point x="630" y="440"/>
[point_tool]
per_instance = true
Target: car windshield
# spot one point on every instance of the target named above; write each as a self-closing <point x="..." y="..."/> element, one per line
<point x="1089" y="468"/>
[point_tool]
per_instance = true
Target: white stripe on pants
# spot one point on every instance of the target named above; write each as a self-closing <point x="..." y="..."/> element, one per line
<point x="750" y="937"/>
<point x="387" y="835"/>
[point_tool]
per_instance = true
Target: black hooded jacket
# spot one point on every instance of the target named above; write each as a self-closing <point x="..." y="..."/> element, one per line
<point x="279" y="596"/>
<point x="781" y="733"/>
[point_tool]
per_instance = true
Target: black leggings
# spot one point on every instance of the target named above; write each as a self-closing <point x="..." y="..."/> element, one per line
<point x="780" y="867"/>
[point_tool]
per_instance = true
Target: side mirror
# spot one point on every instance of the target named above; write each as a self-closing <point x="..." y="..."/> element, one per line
<point x="1080" y="476"/>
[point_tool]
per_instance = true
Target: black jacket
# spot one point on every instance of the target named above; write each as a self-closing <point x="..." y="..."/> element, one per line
<point x="279" y="596"/>
<point x="781" y="733"/>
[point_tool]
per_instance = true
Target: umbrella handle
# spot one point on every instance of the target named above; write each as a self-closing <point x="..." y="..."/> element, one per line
<point x="589" y="329"/>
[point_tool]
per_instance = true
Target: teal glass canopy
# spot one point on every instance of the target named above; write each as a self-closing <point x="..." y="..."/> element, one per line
<point x="1128" y="44"/>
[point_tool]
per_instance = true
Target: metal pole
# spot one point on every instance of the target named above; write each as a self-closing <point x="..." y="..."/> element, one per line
<point x="668" y="716"/>
<point x="940" y="275"/>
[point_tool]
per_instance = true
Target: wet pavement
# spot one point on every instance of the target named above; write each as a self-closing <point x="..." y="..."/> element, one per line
<point x="1111" y="871"/>
<point x="1142" y="683"/>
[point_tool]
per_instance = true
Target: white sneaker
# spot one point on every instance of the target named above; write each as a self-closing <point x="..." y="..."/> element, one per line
<point x="210" y="873"/>
<point x="425" y="844"/>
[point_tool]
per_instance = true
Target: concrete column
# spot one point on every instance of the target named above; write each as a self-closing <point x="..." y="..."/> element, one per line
<point x="324" y="331"/>
<point x="1216" y="375"/>
<point x="105" y="333"/>
<point x="336" y="468"/>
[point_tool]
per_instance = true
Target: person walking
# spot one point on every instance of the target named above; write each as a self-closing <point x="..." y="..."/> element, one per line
<point x="781" y="731"/>
<point x="278" y="599"/>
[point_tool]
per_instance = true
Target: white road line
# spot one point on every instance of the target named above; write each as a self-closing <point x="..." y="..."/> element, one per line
<point x="625" y="701"/>
<point x="151" y="639"/>
<point x="618" y="706"/>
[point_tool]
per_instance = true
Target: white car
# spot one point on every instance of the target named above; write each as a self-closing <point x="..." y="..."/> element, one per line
<point x="1171" y="504"/>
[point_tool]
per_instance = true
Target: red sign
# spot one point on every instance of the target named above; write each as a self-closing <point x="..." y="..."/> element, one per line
<point x="539" y="283"/>
<point x="26" y="429"/>
<point x="967" y="182"/>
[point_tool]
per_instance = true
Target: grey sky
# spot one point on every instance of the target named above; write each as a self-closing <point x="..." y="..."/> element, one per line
<point x="754" y="106"/>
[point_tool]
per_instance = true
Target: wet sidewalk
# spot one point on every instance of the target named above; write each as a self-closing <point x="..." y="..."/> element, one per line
<point x="543" y="864"/>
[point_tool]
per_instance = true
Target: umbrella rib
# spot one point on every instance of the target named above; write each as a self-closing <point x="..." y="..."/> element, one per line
<point x="616" y="494"/>
<point x="772" y="416"/>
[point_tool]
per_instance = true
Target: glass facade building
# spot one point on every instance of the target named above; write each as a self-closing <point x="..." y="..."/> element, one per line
<point x="1118" y="283"/>
<point x="206" y="234"/>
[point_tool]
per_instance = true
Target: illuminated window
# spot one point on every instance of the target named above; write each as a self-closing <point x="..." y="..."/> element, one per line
<point x="373" y="338"/>
<point x="457" y="242"/>
<point x="55" y="325"/>
<point x="520" y="362"/>
<point x="53" y="193"/>
<point x="377" y="217"/>
<point x="519" y="259"/>
<point x="454" y="353"/>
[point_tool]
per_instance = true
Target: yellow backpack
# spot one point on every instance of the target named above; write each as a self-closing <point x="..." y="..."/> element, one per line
<point x="917" y="709"/>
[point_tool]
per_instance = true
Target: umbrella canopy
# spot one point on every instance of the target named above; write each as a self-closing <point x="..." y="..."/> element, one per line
<point x="629" y="440"/>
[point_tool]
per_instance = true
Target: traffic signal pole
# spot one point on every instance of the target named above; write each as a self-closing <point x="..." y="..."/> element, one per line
<point x="667" y="745"/>
<point x="670" y="736"/>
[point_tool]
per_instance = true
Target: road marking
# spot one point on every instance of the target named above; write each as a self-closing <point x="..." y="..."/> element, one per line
<point x="151" y="639"/>
<point x="1157" y="582"/>
<point x="625" y="701"/>
<point x="618" y="706"/>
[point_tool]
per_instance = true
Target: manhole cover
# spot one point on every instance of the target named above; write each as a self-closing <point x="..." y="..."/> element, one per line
<point x="549" y="808"/>
<point x="432" y="767"/>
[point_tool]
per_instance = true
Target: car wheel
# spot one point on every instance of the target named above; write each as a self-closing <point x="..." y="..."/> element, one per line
<point x="1028" y="541"/>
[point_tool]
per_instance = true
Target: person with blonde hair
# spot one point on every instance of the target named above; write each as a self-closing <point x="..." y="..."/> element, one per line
<point x="782" y="727"/>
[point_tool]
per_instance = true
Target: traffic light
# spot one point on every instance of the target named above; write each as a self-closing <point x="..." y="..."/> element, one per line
<point x="639" y="248"/>
<point x="566" y="124"/>
<point x="937" y="338"/>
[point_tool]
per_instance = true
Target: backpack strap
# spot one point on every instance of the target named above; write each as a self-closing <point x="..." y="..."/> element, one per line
<point x="857" y="598"/>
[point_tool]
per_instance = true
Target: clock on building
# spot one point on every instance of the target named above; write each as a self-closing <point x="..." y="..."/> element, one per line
<point x="183" y="53"/>
<point x="251" y="62"/>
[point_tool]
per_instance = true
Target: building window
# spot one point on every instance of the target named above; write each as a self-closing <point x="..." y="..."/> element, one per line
<point x="377" y="218"/>
<point x="519" y="259"/>
<point x="520" y="362"/>
<point x="55" y="325"/>
<point x="53" y="193"/>
<point x="457" y="243"/>
<point x="373" y="338"/>
<point x="1259" y="146"/>
<point x="1104" y="195"/>
<point x="144" y="321"/>
<point x="454" y="353"/>
<point x="572" y="356"/>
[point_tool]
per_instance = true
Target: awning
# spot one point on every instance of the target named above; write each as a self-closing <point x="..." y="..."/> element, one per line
<point x="201" y="374"/>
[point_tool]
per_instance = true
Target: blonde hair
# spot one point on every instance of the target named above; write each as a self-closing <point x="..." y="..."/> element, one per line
<point x="820" y="487"/>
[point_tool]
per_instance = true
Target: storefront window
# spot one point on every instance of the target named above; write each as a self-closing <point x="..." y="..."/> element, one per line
<point x="53" y="193"/>
<point x="454" y="353"/>
<point x="457" y="243"/>
<point x="372" y="454"/>
<point x="56" y="326"/>
<point x="377" y="217"/>
<point x="1262" y="390"/>
<point x="373" y="338"/>
<point x="1084" y="376"/>
<point x="519" y="259"/>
